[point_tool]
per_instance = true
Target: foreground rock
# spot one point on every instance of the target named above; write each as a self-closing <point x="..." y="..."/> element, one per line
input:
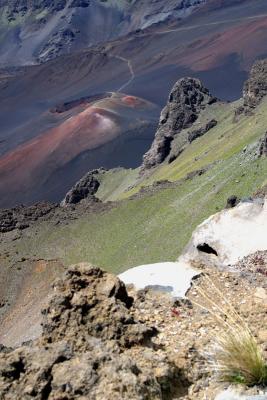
<point x="187" y="99"/>
<point x="188" y="333"/>
<point x="92" y="347"/>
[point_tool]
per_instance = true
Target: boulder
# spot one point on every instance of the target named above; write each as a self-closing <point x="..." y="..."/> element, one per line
<point x="92" y="347"/>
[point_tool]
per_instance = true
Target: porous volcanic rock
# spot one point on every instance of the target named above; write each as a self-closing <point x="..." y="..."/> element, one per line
<point x="84" y="188"/>
<point x="255" y="88"/>
<point x="90" y="302"/>
<point x="92" y="347"/>
<point x="187" y="98"/>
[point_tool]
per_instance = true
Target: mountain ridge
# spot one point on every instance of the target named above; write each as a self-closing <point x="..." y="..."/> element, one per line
<point x="58" y="27"/>
<point x="210" y="46"/>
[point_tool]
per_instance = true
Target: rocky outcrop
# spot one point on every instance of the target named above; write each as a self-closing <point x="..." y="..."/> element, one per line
<point x="90" y="302"/>
<point x="255" y="87"/>
<point x="85" y="188"/>
<point x="254" y="90"/>
<point x="187" y="99"/>
<point x="53" y="47"/>
<point x="21" y="217"/>
<point x="92" y="347"/>
<point x="15" y="6"/>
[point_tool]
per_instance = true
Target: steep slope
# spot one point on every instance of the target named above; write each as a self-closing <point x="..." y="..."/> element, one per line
<point x="156" y="223"/>
<point x="142" y="64"/>
<point x="217" y="133"/>
<point x="156" y="216"/>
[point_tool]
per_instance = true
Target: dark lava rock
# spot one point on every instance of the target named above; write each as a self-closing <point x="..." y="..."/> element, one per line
<point x="255" y="87"/>
<point x="80" y="3"/>
<point x="63" y="107"/>
<point x="16" y="6"/>
<point x="21" y="217"/>
<point x="193" y="135"/>
<point x="84" y="188"/>
<point x="187" y="98"/>
<point x="263" y="146"/>
<point x="92" y="347"/>
<point x="232" y="201"/>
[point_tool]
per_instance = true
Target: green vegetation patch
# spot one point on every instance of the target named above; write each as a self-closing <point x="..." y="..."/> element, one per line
<point x="150" y="228"/>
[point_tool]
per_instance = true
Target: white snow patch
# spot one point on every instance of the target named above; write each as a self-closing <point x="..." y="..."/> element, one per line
<point x="234" y="234"/>
<point x="172" y="277"/>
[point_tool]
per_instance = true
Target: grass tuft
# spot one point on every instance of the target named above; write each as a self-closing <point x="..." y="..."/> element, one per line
<point x="236" y="356"/>
<point x="239" y="359"/>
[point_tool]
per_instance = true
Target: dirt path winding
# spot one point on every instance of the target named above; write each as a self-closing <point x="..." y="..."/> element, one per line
<point x="130" y="66"/>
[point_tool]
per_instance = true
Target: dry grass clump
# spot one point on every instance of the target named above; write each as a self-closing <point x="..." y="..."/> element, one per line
<point x="236" y="356"/>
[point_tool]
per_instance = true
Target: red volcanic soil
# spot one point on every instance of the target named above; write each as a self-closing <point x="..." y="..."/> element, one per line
<point x="132" y="101"/>
<point x="247" y="40"/>
<point x="87" y="130"/>
<point x="22" y="319"/>
<point x="29" y="167"/>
